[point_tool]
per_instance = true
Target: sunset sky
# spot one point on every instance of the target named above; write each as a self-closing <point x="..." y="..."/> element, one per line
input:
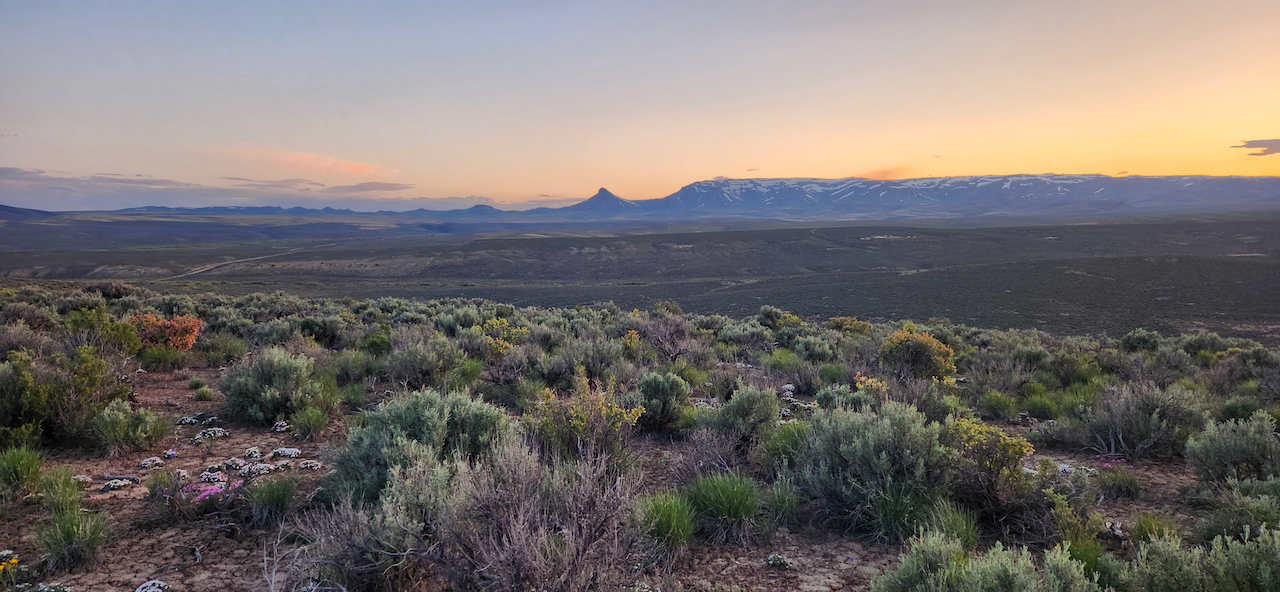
<point x="116" y="104"/>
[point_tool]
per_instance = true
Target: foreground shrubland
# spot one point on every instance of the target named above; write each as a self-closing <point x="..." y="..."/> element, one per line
<point x="494" y="447"/>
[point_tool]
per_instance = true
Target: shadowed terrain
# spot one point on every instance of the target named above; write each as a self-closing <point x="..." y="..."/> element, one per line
<point x="1163" y="274"/>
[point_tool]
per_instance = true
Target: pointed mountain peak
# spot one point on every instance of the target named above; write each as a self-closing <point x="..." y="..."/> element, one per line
<point x="603" y="200"/>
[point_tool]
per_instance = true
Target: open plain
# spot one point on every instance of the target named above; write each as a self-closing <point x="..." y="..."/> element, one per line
<point x="1217" y="273"/>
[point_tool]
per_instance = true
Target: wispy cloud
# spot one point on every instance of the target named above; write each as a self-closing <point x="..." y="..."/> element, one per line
<point x="366" y="187"/>
<point x="49" y="190"/>
<point x="1263" y="147"/>
<point x="305" y="161"/>
<point x="543" y="203"/>
<point x="304" y="184"/>
<point x="886" y="174"/>
<point x="19" y="177"/>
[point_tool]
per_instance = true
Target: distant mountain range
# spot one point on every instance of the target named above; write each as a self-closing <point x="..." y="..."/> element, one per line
<point x="845" y="199"/>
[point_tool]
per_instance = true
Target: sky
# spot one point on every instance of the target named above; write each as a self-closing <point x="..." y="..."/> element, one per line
<point x="398" y="105"/>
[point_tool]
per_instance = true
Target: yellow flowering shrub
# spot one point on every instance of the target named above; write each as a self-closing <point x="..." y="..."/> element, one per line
<point x="994" y="452"/>
<point x="918" y="355"/>
<point x="501" y="329"/>
<point x="589" y="419"/>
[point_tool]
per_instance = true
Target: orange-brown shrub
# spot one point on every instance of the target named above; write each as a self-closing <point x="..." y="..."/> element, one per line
<point x="180" y="332"/>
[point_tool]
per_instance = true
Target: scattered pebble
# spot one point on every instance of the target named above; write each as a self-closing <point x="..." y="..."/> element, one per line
<point x="212" y="477"/>
<point x="153" y="586"/>
<point x="211" y="434"/>
<point x="115" y="484"/>
<point x="256" y="470"/>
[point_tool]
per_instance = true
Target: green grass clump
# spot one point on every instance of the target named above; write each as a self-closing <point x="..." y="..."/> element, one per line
<point x="1238" y="408"/>
<point x="157" y="482"/>
<point x="355" y="395"/>
<point x="998" y="405"/>
<point x="161" y="359"/>
<point x="20" y="468"/>
<point x="1118" y="483"/>
<point x="668" y="519"/>
<point x="269" y="500"/>
<point x="195" y="383"/>
<point x="781" y="502"/>
<point x="726" y="505"/>
<point x="204" y="393"/>
<point x="781" y="448"/>
<point x="1148" y="527"/>
<point x="59" y="492"/>
<point x="72" y="538"/>
<point x="1041" y="407"/>
<point x="956" y="523"/>
<point x="309" y="422"/>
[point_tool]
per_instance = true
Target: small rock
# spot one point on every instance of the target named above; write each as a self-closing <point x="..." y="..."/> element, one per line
<point x="115" y="484"/>
<point x="153" y="586"/>
<point x="287" y="452"/>
<point x="234" y="464"/>
<point x="211" y="434"/>
<point x="777" y="561"/>
<point x="81" y="479"/>
<point x="310" y="465"/>
<point x="253" y="453"/>
<point x="189" y="420"/>
<point x="152" y="462"/>
<point x="255" y="470"/>
<point x="280" y="426"/>
<point x="212" y="477"/>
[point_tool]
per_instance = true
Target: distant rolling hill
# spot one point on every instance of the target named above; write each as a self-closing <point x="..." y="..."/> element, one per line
<point x="22" y="214"/>
<point x="723" y="202"/>
<point x="945" y="197"/>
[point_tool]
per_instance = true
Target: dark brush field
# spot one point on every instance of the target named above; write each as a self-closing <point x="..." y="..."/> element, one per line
<point x="1170" y="275"/>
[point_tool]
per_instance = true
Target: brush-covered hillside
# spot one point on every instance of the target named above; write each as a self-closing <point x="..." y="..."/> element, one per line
<point x="156" y="441"/>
